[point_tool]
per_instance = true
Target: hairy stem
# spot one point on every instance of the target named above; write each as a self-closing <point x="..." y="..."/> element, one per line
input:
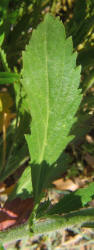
<point x="48" y="224"/>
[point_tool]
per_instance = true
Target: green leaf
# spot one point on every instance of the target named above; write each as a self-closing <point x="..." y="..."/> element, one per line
<point x="48" y="173"/>
<point x="1" y="38"/>
<point x="7" y="77"/>
<point x="51" y="81"/>
<point x="16" y="151"/>
<point x="23" y="187"/>
<point x="16" y="159"/>
<point x="86" y="194"/>
<point x="74" y="201"/>
<point x="4" y="60"/>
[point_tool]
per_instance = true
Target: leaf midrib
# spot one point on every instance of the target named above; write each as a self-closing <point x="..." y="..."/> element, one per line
<point x="47" y="101"/>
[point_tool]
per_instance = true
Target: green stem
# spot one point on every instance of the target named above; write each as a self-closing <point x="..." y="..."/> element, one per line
<point x="56" y="222"/>
<point x="14" y="234"/>
<point x="4" y="61"/>
<point x="48" y="224"/>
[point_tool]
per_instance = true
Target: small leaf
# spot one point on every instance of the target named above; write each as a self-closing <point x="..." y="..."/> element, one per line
<point x="2" y="34"/>
<point x="7" y="77"/>
<point x="74" y="201"/>
<point x="17" y="158"/>
<point x="16" y="148"/>
<point x="4" y="60"/>
<point x="23" y="188"/>
<point x="1" y="38"/>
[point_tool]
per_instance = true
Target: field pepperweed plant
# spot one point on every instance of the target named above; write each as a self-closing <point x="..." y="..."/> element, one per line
<point x="49" y="74"/>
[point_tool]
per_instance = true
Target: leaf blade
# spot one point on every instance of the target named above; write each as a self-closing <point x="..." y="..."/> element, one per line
<point x="7" y="77"/>
<point x="23" y="187"/>
<point x="45" y="69"/>
<point x="50" y="80"/>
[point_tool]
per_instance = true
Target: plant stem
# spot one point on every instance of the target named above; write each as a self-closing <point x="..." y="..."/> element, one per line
<point x="4" y="61"/>
<point x="14" y="234"/>
<point x="48" y="224"/>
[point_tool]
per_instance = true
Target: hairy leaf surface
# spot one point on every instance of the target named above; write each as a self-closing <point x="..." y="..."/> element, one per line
<point x="51" y="81"/>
